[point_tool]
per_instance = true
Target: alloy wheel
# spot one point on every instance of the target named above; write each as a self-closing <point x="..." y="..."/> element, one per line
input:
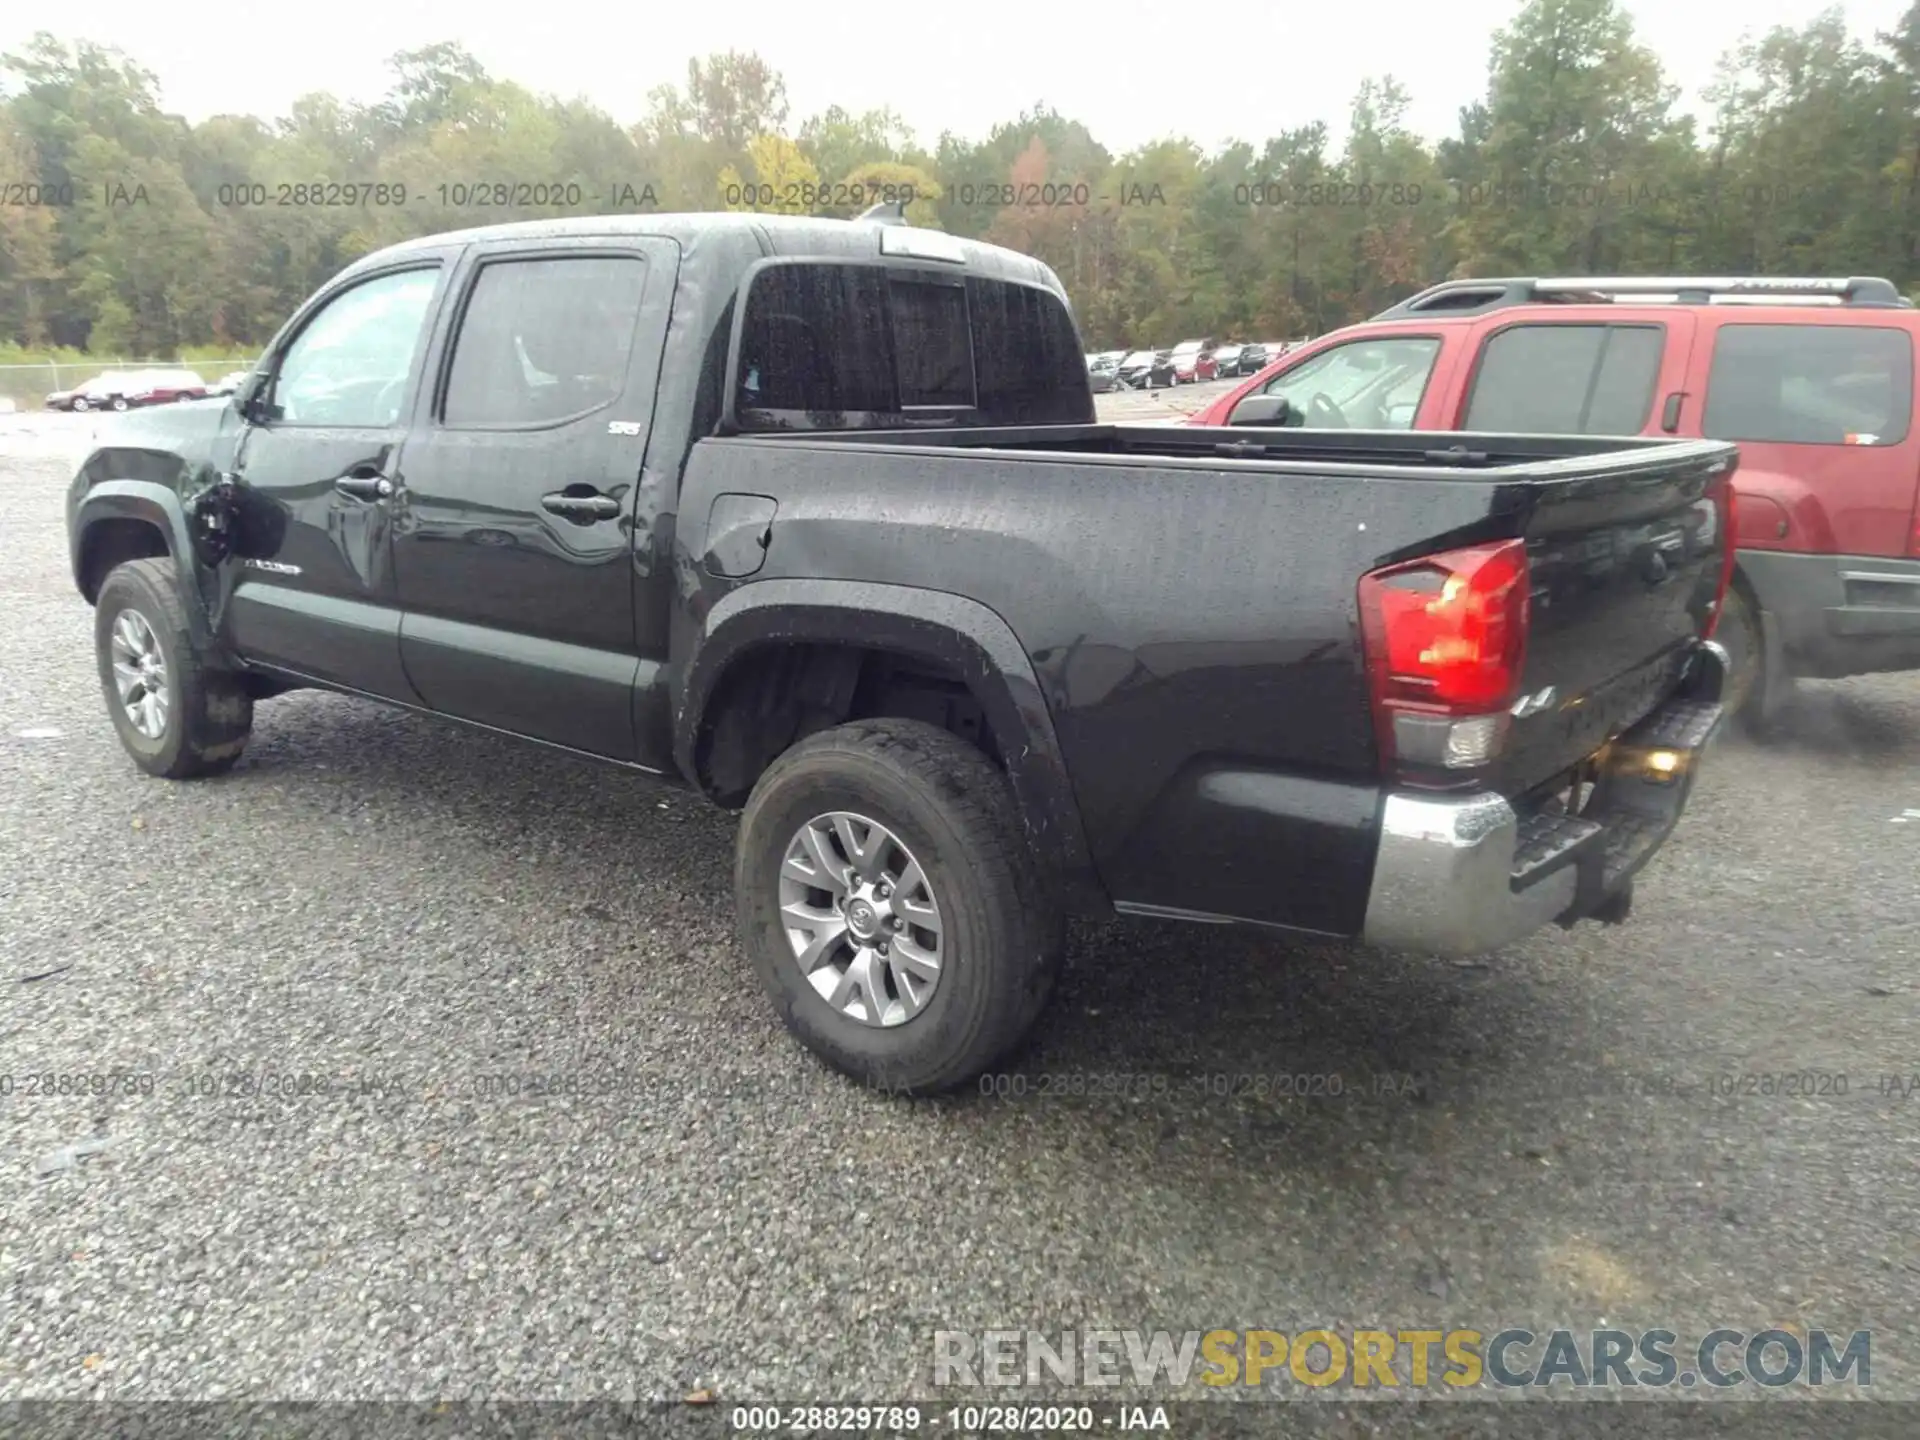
<point x="861" y="918"/>
<point x="140" y="674"/>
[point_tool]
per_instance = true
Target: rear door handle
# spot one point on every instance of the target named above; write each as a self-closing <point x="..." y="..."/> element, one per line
<point x="364" y="483"/>
<point x="581" y="507"/>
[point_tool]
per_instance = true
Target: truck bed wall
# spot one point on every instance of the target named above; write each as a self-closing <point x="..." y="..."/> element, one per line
<point x="1192" y="625"/>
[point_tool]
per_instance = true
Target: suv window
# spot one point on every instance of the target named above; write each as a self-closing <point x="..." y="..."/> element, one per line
<point x="1371" y="384"/>
<point x="1810" y="384"/>
<point x="1566" y="380"/>
<point x="349" y="366"/>
<point x="838" y="346"/>
<point x="544" y="340"/>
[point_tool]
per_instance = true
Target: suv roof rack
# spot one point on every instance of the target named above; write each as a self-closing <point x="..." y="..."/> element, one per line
<point x="1476" y="297"/>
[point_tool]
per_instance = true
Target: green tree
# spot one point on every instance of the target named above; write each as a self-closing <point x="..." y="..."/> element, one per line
<point x="28" y="273"/>
<point x="1799" y="171"/>
<point x="877" y="177"/>
<point x="1572" y="161"/>
<point x="838" y="143"/>
<point x="1575" y="150"/>
<point x="779" y="179"/>
<point x="733" y="97"/>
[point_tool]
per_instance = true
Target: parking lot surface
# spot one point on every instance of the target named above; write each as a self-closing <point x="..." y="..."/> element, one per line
<point x="456" y="1085"/>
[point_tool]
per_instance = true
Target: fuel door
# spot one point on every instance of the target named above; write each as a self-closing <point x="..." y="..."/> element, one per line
<point x="739" y="531"/>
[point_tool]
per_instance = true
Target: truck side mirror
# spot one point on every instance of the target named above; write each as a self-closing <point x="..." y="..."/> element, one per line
<point x="1270" y="410"/>
<point x="250" y="400"/>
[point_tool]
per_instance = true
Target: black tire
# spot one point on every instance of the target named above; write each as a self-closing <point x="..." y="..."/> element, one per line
<point x="79" y="402"/>
<point x="209" y="712"/>
<point x="956" y="813"/>
<point x="1749" y="688"/>
<point x="119" y="402"/>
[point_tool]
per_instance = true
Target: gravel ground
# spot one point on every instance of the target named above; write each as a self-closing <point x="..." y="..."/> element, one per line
<point x="405" y="909"/>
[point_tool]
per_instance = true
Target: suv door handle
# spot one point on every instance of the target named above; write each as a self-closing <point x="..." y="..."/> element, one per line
<point x="581" y="507"/>
<point x="364" y="484"/>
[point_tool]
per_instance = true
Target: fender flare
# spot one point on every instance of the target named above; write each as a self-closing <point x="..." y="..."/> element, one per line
<point x="951" y="630"/>
<point x="156" y="505"/>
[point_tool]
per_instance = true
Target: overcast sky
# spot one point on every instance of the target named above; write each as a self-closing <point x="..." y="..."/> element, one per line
<point x="1133" y="71"/>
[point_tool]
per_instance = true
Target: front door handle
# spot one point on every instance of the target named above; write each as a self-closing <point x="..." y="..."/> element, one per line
<point x="364" y="485"/>
<point x="581" y="507"/>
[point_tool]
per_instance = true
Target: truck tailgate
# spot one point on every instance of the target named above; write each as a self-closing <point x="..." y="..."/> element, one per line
<point x="1623" y="569"/>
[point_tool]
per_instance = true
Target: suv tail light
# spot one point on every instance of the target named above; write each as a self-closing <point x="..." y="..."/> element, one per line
<point x="1723" y="505"/>
<point x="1445" y="639"/>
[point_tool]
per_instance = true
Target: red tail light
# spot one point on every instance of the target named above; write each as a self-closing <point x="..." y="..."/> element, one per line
<point x="1723" y="506"/>
<point x="1445" y="640"/>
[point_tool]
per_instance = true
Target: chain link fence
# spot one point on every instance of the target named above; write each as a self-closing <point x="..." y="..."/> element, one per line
<point x="27" y="386"/>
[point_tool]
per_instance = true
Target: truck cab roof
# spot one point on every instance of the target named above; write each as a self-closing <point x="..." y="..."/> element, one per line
<point x="723" y="244"/>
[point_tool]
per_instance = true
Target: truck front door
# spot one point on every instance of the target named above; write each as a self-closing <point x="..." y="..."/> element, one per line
<point x="318" y="468"/>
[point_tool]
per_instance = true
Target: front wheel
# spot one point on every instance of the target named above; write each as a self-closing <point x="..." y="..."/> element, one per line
<point x="890" y="902"/>
<point x="119" y="402"/>
<point x="177" y="716"/>
<point x="80" y="402"/>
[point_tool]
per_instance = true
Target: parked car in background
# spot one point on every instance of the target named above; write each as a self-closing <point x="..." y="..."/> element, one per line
<point x="1226" y="359"/>
<point x="1192" y="361"/>
<point x="109" y="390"/>
<point x="1813" y="378"/>
<point x="165" y="385"/>
<point x="1139" y="371"/>
<point x="1254" y="358"/>
<point x="1103" y="371"/>
<point x="130" y="389"/>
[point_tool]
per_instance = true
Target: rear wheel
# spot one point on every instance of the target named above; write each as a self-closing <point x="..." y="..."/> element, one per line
<point x="1752" y="696"/>
<point x="177" y="716"/>
<point x="890" y="902"/>
<point x="80" y="402"/>
<point x="119" y="402"/>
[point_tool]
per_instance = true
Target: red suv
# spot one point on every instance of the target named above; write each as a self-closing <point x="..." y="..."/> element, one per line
<point x="1193" y="361"/>
<point x="1814" y="379"/>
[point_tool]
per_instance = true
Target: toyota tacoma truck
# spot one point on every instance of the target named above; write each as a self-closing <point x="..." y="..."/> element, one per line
<point x="816" y="517"/>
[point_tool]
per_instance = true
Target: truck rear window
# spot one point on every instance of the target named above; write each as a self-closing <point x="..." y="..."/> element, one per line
<point x="1810" y="385"/>
<point x="851" y="346"/>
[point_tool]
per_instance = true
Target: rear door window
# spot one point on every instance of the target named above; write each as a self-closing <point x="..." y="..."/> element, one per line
<point x="1810" y="384"/>
<point x="1566" y="380"/>
<point x="544" y="340"/>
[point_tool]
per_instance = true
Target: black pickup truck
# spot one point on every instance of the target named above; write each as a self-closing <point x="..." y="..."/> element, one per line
<point x="816" y="517"/>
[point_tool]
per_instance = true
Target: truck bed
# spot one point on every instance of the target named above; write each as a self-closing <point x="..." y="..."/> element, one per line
<point x="1188" y="600"/>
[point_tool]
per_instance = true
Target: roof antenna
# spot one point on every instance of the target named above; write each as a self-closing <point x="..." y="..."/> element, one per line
<point x="887" y="212"/>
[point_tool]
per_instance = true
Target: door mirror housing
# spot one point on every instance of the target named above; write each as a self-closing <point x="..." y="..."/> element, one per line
<point x="1268" y="410"/>
<point x="251" y="399"/>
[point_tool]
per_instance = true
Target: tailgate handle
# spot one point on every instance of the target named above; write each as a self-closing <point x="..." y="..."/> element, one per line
<point x="1670" y="412"/>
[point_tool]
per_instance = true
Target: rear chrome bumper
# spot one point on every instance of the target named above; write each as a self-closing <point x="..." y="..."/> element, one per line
<point x="1464" y="874"/>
